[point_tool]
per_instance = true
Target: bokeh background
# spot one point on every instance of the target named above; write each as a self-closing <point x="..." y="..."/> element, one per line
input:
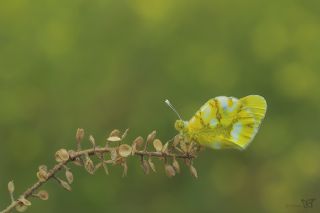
<point x="105" y="64"/>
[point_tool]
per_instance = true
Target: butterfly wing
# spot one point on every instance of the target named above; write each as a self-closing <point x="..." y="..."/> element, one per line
<point x="244" y="129"/>
<point x="227" y="122"/>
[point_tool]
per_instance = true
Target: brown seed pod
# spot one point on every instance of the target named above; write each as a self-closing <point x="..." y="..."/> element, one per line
<point x="62" y="155"/>
<point x="157" y="144"/>
<point x="169" y="170"/>
<point x="124" y="150"/>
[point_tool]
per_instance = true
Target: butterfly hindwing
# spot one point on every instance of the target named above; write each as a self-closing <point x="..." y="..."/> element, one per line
<point x="249" y="119"/>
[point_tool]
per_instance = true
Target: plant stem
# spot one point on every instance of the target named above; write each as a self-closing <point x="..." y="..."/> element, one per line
<point x="57" y="167"/>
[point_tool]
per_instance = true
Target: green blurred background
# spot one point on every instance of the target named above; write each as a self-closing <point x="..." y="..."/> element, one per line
<point x="105" y="64"/>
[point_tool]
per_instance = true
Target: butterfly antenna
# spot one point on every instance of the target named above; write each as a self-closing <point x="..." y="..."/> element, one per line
<point x="172" y="107"/>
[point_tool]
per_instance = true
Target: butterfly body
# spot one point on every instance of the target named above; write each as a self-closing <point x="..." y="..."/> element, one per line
<point x="225" y="122"/>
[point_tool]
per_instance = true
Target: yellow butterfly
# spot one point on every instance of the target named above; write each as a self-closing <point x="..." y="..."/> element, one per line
<point x="224" y="122"/>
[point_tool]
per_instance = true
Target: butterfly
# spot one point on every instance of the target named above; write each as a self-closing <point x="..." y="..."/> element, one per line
<point x="224" y="122"/>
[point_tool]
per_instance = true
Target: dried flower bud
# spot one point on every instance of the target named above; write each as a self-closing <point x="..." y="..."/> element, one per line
<point x="92" y="141"/>
<point x="69" y="176"/>
<point x="193" y="171"/>
<point x="176" y="140"/>
<point x="151" y="136"/>
<point x="125" y="169"/>
<point x="176" y="165"/>
<point x="42" y="175"/>
<point x="115" y="133"/>
<point x="169" y="170"/>
<point x="124" y="134"/>
<point x="43" y="195"/>
<point x="11" y="187"/>
<point x="24" y="201"/>
<point x="21" y="208"/>
<point x="151" y="164"/>
<point x="157" y="144"/>
<point x="88" y="165"/>
<point x="114" y="139"/>
<point x="145" y="167"/>
<point x="125" y="150"/>
<point x="79" y="135"/>
<point x="62" y="155"/>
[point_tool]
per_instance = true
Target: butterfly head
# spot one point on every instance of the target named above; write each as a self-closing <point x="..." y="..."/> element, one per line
<point x="181" y="125"/>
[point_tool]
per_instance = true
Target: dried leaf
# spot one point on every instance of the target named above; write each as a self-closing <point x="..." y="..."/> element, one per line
<point x="125" y="169"/>
<point x="11" y="187"/>
<point x="134" y="148"/>
<point x="125" y="150"/>
<point x="165" y="147"/>
<point x="92" y="141"/>
<point x="191" y="145"/>
<point x="21" y="208"/>
<point x="176" y="165"/>
<point x="79" y="135"/>
<point x="115" y="133"/>
<point x="88" y="164"/>
<point x="42" y="175"/>
<point x="176" y="140"/>
<point x="105" y="167"/>
<point x="151" y="136"/>
<point x="151" y="164"/>
<point x="138" y="141"/>
<point x="24" y="201"/>
<point x="157" y="144"/>
<point x="183" y="146"/>
<point x="62" y="155"/>
<point x="65" y="185"/>
<point x="69" y="176"/>
<point x="169" y="170"/>
<point x="114" y="139"/>
<point x="145" y="167"/>
<point x="43" y="195"/>
<point x="193" y="171"/>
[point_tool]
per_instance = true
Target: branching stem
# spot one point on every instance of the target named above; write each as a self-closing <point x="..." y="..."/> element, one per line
<point x="74" y="156"/>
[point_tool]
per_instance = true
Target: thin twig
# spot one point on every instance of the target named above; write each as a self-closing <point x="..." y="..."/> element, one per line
<point x="74" y="156"/>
